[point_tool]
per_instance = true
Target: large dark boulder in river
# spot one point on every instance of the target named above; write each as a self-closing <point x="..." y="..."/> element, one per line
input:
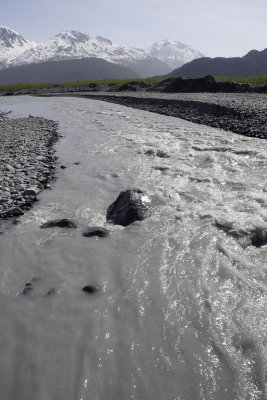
<point x="130" y="206"/>
<point x="62" y="223"/>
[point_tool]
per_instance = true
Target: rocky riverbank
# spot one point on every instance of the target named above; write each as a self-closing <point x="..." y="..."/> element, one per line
<point x="242" y="113"/>
<point x="27" y="161"/>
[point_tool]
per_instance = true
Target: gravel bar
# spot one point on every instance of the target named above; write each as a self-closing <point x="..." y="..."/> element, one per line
<point x="27" y="161"/>
<point x="243" y="113"/>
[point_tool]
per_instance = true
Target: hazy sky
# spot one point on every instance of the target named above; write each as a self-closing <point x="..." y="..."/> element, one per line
<point x="216" y="28"/>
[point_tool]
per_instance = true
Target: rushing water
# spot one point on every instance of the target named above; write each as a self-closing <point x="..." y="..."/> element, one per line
<point x="182" y="311"/>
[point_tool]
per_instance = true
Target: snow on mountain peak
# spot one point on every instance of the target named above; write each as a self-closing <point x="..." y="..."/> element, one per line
<point x="11" y="45"/>
<point x="15" y="50"/>
<point x="174" y="53"/>
<point x="74" y="44"/>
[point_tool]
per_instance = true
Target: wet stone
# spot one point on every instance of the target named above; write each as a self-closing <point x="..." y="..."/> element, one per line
<point x="130" y="206"/>
<point x="27" y="288"/>
<point x="259" y="240"/>
<point x="13" y="212"/>
<point x="95" y="231"/>
<point x="61" y="223"/>
<point x="91" y="289"/>
<point x="51" y="292"/>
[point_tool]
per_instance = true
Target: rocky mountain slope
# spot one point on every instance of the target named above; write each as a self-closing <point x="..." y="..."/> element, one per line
<point x="252" y="64"/>
<point x="174" y="53"/>
<point x="64" y="71"/>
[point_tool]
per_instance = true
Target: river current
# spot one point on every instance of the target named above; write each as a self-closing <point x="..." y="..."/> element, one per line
<point x="182" y="310"/>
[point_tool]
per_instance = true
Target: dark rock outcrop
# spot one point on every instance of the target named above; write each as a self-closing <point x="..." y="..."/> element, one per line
<point x="62" y="223"/>
<point x="95" y="231"/>
<point x="127" y="208"/>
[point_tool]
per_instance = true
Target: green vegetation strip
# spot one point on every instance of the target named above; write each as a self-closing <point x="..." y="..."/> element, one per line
<point x="109" y="82"/>
<point x="253" y="80"/>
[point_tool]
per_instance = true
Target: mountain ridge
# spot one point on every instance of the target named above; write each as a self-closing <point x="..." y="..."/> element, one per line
<point x="65" y="71"/>
<point x="251" y="64"/>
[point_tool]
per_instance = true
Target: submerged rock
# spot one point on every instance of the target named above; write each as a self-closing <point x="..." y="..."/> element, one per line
<point x="256" y="237"/>
<point x="95" y="231"/>
<point x="51" y="292"/>
<point x="130" y="206"/>
<point x="62" y="223"/>
<point x="27" y="288"/>
<point x="259" y="239"/>
<point x="91" y="289"/>
<point x="159" y="153"/>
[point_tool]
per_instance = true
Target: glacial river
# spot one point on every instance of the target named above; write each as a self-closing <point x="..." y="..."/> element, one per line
<point x="182" y="310"/>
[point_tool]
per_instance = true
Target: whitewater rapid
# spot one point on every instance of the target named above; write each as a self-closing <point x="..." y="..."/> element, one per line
<point x="181" y="313"/>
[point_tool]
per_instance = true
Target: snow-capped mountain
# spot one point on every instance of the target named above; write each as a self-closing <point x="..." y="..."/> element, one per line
<point x="77" y="45"/>
<point x="173" y="53"/>
<point x="12" y="44"/>
<point x="15" y="51"/>
<point x="73" y="44"/>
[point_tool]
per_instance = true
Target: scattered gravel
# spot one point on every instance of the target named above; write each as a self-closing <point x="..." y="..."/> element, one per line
<point x="243" y="113"/>
<point x="27" y="161"/>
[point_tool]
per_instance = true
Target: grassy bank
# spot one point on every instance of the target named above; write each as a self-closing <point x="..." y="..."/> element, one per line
<point x="253" y="80"/>
<point x="109" y="82"/>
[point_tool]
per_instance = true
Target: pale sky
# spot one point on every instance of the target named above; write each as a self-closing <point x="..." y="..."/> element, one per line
<point x="216" y="28"/>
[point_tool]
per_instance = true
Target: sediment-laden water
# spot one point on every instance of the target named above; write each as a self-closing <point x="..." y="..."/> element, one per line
<point x="181" y="313"/>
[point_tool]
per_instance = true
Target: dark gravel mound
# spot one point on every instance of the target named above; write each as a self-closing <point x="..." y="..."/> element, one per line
<point x="134" y="86"/>
<point x="205" y="84"/>
<point x="27" y="162"/>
